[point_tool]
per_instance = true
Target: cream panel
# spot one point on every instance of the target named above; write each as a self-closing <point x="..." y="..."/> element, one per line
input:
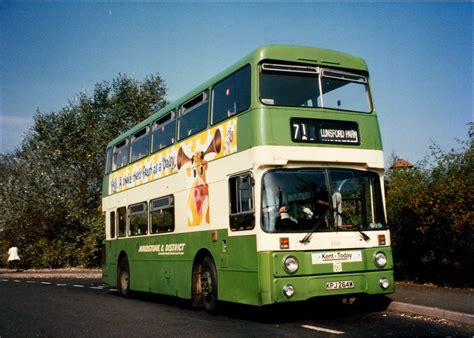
<point x="321" y="241"/>
<point x="257" y="160"/>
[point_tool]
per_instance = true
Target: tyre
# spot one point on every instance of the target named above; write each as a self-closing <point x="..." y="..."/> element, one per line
<point x="123" y="278"/>
<point x="209" y="284"/>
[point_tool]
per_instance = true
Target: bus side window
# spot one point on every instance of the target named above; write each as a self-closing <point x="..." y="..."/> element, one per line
<point x="163" y="132"/>
<point x="231" y="96"/>
<point x="108" y="161"/>
<point x="122" y="221"/>
<point x="120" y="155"/>
<point x="162" y="215"/>
<point x="112" y="225"/>
<point x="139" y="145"/>
<point x="193" y="116"/>
<point x="138" y="219"/>
<point x="242" y="215"/>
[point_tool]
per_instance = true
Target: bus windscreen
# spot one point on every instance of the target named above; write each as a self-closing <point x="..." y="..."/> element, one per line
<point x="299" y="86"/>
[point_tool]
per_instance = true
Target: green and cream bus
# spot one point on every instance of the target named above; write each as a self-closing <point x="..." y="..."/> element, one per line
<point x="263" y="185"/>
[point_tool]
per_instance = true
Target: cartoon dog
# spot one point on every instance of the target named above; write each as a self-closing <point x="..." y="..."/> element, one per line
<point x="198" y="200"/>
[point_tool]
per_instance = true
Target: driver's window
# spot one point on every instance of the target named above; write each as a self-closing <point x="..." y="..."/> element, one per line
<point x="242" y="215"/>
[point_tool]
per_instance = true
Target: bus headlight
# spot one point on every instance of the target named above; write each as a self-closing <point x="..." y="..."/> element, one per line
<point x="288" y="290"/>
<point x="380" y="259"/>
<point x="290" y="264"/>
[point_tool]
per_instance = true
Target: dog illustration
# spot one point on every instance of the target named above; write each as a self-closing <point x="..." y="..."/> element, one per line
<point x="198" y="200"/>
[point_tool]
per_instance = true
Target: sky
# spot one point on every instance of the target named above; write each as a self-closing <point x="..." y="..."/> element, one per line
<point x="419" y="55"/>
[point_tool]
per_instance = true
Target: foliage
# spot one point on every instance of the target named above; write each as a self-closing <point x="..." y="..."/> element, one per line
<point x="430" y="210"/>
<point x="51" y="186"/>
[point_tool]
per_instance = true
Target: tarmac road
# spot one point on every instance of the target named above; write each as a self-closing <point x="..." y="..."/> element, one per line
<point x="38" y="307"/>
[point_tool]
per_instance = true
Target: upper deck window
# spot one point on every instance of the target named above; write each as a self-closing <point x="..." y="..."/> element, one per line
<point x="163" y="131"/>
<point x="345" y="91"/>
<point x="140" y="144"/>
<point x="120" y="155"/>
<point x="314" y="87"/>
<point x="193" y="116"/>
<point x="231" y="96"/>
<point x="108" y="161"/>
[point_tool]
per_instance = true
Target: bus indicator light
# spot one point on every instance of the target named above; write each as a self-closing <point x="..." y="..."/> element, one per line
<point x="382" y="240"/>
<point x="284" y="243"/>
<point x="214" y="236"/>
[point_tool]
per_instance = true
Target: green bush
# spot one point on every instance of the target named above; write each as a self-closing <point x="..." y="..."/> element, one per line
<point x="430" y="212"/>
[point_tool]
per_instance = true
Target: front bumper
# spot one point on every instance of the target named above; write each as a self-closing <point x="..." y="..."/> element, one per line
<point x="307" y="287"/>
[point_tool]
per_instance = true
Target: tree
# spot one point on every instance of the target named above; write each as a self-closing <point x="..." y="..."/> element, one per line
<point x="430" y="211"/>
<point x="50" y="195"/>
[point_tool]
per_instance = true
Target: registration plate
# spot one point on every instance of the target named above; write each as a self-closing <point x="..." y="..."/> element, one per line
<point x="343" y="284"/>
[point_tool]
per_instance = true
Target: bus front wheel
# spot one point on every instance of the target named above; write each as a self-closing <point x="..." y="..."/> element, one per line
<point x="123" y="278"/>
<point x="208" y="285"/>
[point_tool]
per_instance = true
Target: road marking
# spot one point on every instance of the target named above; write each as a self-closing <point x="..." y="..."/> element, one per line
<point x="98" y="287"/>
<point x="322" y="329"/>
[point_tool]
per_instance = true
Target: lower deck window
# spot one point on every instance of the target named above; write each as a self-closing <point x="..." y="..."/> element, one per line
<point x="162" y="215"/>
<point x="242" y="216"/>
<point x="112" y="224"/>
<point x="138" y="219"/>
<point x="122" y="221"/>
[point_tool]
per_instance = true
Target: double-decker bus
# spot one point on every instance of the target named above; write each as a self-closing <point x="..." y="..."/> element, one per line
<point x="263" y="185"/>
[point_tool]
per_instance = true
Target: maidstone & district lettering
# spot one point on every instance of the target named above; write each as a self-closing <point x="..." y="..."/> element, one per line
<point x="164" y="249"/>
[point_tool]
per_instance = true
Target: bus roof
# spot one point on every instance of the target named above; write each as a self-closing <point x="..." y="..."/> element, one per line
<point x="289" y="53"/>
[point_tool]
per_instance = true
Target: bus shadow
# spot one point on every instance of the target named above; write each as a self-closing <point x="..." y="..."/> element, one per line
<point x="317" y="308"/>
<point x="320" y="308"/>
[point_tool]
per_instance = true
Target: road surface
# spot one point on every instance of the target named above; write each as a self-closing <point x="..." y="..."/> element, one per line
<point x="86" y="308"/>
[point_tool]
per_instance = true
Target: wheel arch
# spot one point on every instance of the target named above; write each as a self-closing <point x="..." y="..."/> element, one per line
<point x="200" y="256"/>
<point x="121" y="256"/>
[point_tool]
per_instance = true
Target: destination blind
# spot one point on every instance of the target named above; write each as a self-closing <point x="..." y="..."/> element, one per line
<point x="324" y="131"/>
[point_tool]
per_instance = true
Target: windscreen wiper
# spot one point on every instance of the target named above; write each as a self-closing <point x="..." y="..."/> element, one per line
<point x="359" y="228"/>
<point x="315" y="227"/>
<point x="363" y="235"/>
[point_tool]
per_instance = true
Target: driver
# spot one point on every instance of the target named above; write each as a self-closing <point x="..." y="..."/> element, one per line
<point x="285" y="216"/>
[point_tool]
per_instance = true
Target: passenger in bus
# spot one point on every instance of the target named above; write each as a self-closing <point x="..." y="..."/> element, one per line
<point x="308" y="213"/>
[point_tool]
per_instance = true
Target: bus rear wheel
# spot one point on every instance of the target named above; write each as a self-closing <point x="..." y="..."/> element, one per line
<point x="123" y="278"/>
